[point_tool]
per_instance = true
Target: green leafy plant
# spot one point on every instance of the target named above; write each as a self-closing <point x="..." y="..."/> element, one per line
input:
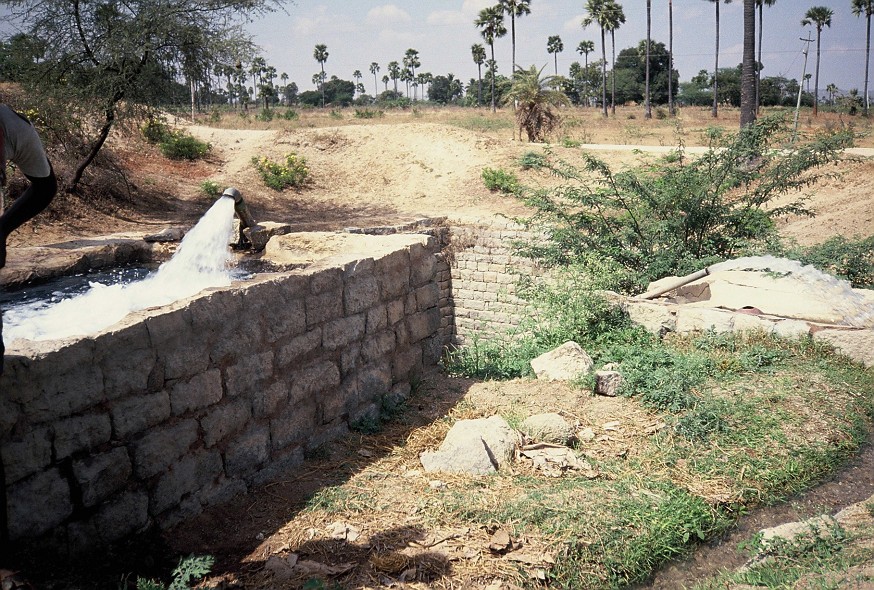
<point x="290" y="115"/>
<point x="181" y="146"/>
<point x="279" y="176"/>
<point x="571" y="143"/>
<point x="497" y="180"/>
<point x="850" y="259"/>
<point x="210" y="188"/>
<point x="190" y="570"/>
<point x="368" y="114"/>
<point x="265" y="115"/>
<point x="532" y="160"/>
<point x="156" y="130"/>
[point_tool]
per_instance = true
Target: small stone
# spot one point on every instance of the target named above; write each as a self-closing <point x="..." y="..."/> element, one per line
<point x="607" y="383"/>
<point x="567" y="362"/>
<point x="586" y="435"/>
<point x="551" y="428"/>
<point x="436" y="484"/>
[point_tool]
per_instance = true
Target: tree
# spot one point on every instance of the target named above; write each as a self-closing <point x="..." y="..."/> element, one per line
<point x="106" y="61"/>
<point x="716" y="63"/>
<point x="320" y="53"/>
<point x="597" y="10"/>
<point x="445" y="89"/>
<point x="411" y="62"/>
<point x="514" y="8"/>
<point x="358" y="75"/>
<point x="385" y="81"/>
<point x="761" y="4"/>
<point x="491" y="24"/>
<point x="748" y="74"/>
<point x="832" y="90"/>
<point x="479" y="56"/>
<point x="394" y="71"/>
<point x="584" y="49"/>
<point x="671" y="108"/>
<point x="554" y="46"/>
<point x="648" y="107"/>
<point x="374" y="69"/>
<point x="536" y="96"/>
<point x="630" y="73"/>
<point x="818" y="16"/>
<point x="866" y="7"/>
<point x="615" y="17"/>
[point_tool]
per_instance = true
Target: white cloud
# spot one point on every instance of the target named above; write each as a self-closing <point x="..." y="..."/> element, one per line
<point x="387" y="13"/>
<point x="447" y="17"/>
<point x="472" y="7"/>
<point x="574" y="24"/>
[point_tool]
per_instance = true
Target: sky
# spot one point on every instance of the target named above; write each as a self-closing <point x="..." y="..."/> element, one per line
<point x="359" y="32"/>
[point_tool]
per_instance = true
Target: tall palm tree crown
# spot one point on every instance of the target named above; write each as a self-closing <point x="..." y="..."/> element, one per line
<point x="374" y="69"/>
<point x="614" y="18"/>
<point x="866" y="7"/>
<point x="478" y="52"/>
<point x="514" y="8"/>
<point x="394" y="70"/>
<point x="320" y="53"/>
<point x="491" y="24"/>
<point x="535" y="96"/>
<point x="819" y="17"/>
<point x="716" y="62"/>
<point x="554" y="46"/>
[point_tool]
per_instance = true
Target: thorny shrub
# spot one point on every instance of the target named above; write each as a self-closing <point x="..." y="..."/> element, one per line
<point x="279" y="176"/>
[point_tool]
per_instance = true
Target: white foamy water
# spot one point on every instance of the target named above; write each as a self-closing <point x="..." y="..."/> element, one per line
<point x="202" y="261"/>
<point x="855" y="308"/>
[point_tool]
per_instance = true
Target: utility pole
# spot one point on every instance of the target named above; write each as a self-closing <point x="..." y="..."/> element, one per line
<point x="806" y="50"/>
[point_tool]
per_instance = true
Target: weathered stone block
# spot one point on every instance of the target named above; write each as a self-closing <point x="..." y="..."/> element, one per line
<point x="157" y="450"/>
<point x="423" y="324"/>
<point x="696" y="319"/>
<point x="656" y="319"/>
<point x="394" y="283"/>
<point x="281" y="465"/>
<point x="407" y="363"/>
<point x="200" y="392"/>
<point x="266" y="401"/>
<point x="361" y="293"/>
<point x="126" y="359"/>
<point x="349" y="358"/>
<point x="427" y="296"/>
<point x="377" y="319"/>
<point x="189" y="474"/>
<point x="339" y="333"/>
<point x="432" y="349"/>
<point x="374" y="381"/>
<point x="221" y="491"/>
<point x="378" y="347"/>
<point x="181" y="352"/>
<point x="288" y="320"/>
<point x="224" y="420"/>
<point x="357" y="268"/>
<point x="323" y="280"/>
<point x="247" y="452"/>
<point x="856" y="344"/>
<point x="251" y="373"/>
<point x="138" y="413"/>
<point x="395" y="310"/>
<point x="294" y="285"/>
<point x="122" y="516"/>
<point x="55" y="505"/>
<point x="81" y="433"/>
<point x="293" y="425"/>
<point x="334" y="402"/>
<point x="100" y="476"/>
<point x="312" y="379"/>
<point x="298" y="348"/>
<point x="323" y="307"/>
<point x="26" y="455"/>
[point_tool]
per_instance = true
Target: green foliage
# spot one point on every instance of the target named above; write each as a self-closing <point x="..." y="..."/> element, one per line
<point x="661" y="378"/>
<point x="532" y="160"/>
<point x="850" y="259"/>
<point x="571" y="143"/>
<point x="189" y="571"/>
<point x="290" y="115"/>
<point x="156" y="130"/>
<point x="181" y="146"/>
<point x="369" y="114"/>
<point x="500" y="180"/>
<point x="676" y="217"/>
<point x="279" y="176"/>
<point x="535" y="98"/>
<point x="210" y="188"/>
<point x="265" y="115"/>
<point x="336" y="114"/>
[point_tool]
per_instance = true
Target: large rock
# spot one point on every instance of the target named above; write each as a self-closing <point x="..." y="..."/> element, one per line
<point x="856" y="344"/>
<point x="567" y="362"/>
<point x="551" y="428"/>
<point x="477" y="446"/>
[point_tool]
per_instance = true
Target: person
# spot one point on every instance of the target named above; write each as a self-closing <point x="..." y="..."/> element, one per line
<point x="20" y="144"/>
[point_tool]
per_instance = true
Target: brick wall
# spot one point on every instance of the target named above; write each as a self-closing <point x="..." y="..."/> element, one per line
<point x="186" y="406"/>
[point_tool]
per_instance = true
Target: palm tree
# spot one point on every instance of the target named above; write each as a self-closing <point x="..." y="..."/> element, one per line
<point x="479" y="57"/>
<point x="514" y="8"/>
<point x="357" y="75"/>
<point x="716" y="64"/>
<point x="761" y="4"/>
<point x="411" y="61"/>
<point x="491" y="24"/>
<point x="832" y="90"/>
<point x="385" y="80"/>
<point x="320" y="53"/>
<point x="647" y="113"/>
<point x="859" y="8"/>
<point x="535" y="97"/>
<point x="284" y="77"/>
<point x="597" y="14"/>
<point x="394" y="70"/>
<point x="615" y="18"/>
<point x="585" y="48"/>
<point x="748" y="69"/>
<point x="671" y="108"/>
<point x="374" y="68"/>
<point x="554" y="46"/>
<point x="818" y="16"/>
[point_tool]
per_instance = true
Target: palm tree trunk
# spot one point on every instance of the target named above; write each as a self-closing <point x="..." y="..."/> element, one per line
<point x="759" y="60"/>
<point x="555" y="57"/>
<point x="513" y="37"/>
<point x="613" y="70"/>
<point x="603" y="72"/>
<point x="748" y="69"/>
<point x="494" y="110"/>
<point x="648" y="109"/>
<point x="716" y="68"/>
<point x="816" y="78"/>
<point x="479" y="88"/>
<point x="322" y="83"/>
<point x="867" y="60"/>
<point x="671" y="107"/>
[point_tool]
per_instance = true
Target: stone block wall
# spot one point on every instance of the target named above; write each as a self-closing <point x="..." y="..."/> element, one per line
<point x="186" y="406"/>
<point x="478" y="279"/>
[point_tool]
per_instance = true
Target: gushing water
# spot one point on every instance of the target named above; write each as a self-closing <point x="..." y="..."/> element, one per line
<point x="202" y="261"/>
<point x="855" y="308"/>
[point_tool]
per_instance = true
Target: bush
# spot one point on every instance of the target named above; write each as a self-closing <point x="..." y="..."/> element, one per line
<point x="290" y="115"/>
<point x="293" y="173"/>
<point x="500" y="180"/>
<point x="535" y="160"/>
<point x="265" y="115"/>
<point x="156" y="130"/>
<point x="210" y="188"/>
<point x="852" y="260"/>
<point x="181" y="146"/>
<point x="368" y="114"/>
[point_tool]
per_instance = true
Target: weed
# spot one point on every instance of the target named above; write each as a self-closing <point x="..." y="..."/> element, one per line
<point x="336" y="114"/>
<point x="215" y="116"/>
<point x="293" y="173"/>
<point x="189" y="570"/>
<point x="369" y="114"/>
<point x="661" y="113"/>
<point x="156" y="130"/>
<point x="265" y="115"/>
<point x="500" y="180"/>
<point x="571" y="143"/>
<point x="210" y="188"/>
<point x="290" y="115"/>
<point x="181" y="146"/>
<point x="532" y="160"/>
